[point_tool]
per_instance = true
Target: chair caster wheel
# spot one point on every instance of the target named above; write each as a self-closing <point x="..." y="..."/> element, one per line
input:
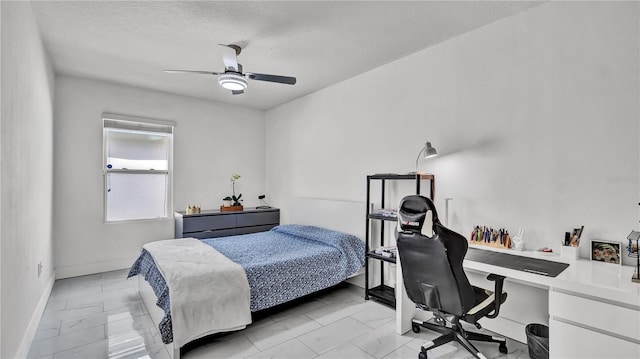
<point x="422" y="355"/>
<point x="416" y="329"/>
<point x="502" y="348"/>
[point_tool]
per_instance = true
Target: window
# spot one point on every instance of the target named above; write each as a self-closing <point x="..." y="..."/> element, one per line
<point x="137" y="168"/>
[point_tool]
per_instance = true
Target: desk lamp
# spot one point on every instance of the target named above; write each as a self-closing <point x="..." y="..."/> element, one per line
<point x="429" y="151"/>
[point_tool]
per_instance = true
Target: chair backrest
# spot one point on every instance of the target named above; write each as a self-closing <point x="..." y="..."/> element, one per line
<point x="432" y="266"/>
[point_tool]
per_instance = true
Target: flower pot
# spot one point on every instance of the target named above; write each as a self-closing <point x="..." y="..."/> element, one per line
<point x="226" y="203"/>
<point x="230" y="208"/>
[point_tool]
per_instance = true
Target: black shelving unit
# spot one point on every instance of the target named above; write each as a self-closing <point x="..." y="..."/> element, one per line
<point x="382" y="292"/>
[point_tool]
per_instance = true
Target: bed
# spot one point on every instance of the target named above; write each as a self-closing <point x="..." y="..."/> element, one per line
<point x="280" y="265"/>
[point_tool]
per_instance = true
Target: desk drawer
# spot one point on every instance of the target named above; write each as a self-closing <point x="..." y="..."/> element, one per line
<point x="203" y="223"/>
<point x="589" y="312"/>
<point x="569" y="341"/>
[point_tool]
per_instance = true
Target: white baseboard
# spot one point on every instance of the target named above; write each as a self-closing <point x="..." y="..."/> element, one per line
<point x="357" y="279"/>
<point x="92" y="268"/>
<point x="32" y="328"/>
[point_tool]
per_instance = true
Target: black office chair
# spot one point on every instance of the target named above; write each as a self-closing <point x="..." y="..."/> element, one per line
<point x="435" y="280"/>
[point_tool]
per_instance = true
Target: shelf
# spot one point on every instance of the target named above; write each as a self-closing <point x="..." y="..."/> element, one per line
<point x="375" y="272"/>
<point x="382" y="258"/>
<point x="383" y="217"/>
<point x="396" y="176"/>
<point x="384" y="294"/>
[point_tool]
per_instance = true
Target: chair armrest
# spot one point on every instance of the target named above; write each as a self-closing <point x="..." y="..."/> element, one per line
<point x="499" y="281"/>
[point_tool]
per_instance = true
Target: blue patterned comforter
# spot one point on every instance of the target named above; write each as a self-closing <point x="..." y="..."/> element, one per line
<point x="283" y="264"/>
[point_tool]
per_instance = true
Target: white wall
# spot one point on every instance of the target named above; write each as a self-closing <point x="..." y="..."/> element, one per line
<point x="26" y="178"/>
<point x="536" y="118"/>
<point x="211" y="142"/>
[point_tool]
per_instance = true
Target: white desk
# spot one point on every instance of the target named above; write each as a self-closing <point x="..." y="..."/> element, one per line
<point x="592" y="308"/>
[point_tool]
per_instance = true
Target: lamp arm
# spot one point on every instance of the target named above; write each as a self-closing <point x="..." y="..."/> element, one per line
<point x="418" y="158"/>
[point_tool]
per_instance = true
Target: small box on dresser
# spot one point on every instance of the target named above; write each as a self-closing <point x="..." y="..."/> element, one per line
<point x="214" y="223"/>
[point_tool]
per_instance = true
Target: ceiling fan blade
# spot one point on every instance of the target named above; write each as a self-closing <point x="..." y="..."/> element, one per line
<point x="271" y="78"/>
<point x="191" y="72"/>
<point x="230" y="57"/>
<point x="237" y="92"/>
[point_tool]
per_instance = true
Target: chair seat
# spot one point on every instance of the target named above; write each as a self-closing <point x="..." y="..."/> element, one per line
<point x="483" y="305"/>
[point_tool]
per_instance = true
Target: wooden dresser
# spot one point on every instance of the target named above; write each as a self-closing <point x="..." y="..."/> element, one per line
<point x="213" y="223"/>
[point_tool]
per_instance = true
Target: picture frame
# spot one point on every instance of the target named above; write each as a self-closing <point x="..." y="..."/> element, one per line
<point x="605" y="251"/>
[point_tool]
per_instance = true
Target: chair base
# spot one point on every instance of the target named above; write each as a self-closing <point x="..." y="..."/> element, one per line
<point x="457" y="334"/>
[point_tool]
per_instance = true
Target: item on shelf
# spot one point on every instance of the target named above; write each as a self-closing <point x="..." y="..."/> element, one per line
<point x="263" y="203"/>
<point x="518" y="240"/>
<point x="235" y="199"/>
<point x="232" y="203"/>
<point x="545" y="252"/>
<point x="488" y="236"/>
<point x="608" y="252"/>
<point x="569" y="249"/>
<point x="573" y="238"/>
<point x="632" y="250"/>
<point x="231" y="208"/>
<point x="390" y="213"/>
<point x="429" y="152"/>
<point x="386" y="251"/>
<point x="193" y="209"/>
<point x="569" y="252"/>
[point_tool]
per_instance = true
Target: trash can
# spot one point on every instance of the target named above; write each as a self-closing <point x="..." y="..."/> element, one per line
<point x="537" y="340"/>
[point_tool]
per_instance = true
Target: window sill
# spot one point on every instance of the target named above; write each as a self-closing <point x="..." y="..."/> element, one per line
<point x="127" y="221"/>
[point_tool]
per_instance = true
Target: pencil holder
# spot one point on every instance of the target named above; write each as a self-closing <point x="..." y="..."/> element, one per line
<point x="569" y="252"/>
<point x="486" y="236"/>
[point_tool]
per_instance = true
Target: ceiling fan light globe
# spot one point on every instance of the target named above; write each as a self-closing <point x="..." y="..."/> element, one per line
<point x="233" y="82"/>
<point x="233" y="86"/>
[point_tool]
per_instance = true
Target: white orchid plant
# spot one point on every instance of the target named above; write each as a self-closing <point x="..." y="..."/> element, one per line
<point x="236" y="199"/>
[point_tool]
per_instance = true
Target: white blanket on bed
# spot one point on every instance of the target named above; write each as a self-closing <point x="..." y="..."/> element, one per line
<point x="209" y="293"/>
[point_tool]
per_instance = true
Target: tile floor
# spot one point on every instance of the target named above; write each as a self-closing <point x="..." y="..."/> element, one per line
<point x="102" y="316"/>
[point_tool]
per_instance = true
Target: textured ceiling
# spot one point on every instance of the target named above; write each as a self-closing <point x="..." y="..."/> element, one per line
<point x="321" y="42"/>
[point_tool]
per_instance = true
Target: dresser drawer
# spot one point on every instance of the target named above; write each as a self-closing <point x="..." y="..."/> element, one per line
<point x="257" y="219"/>
<point x="203" y="223"/>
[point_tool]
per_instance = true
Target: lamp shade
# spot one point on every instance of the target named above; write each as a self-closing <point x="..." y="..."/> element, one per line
<point x="429" y="151"/>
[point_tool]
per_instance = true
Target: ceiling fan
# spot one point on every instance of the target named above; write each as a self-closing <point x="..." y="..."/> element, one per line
<point x="233" y="78"/>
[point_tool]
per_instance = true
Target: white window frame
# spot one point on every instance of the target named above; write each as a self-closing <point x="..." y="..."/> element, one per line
<point x="142" y="125"/>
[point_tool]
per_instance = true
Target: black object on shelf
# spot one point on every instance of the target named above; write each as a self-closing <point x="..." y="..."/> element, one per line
<point x="381" y="257"/>
<point x="384" y="214"/>
<point x="382" y="292"/>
